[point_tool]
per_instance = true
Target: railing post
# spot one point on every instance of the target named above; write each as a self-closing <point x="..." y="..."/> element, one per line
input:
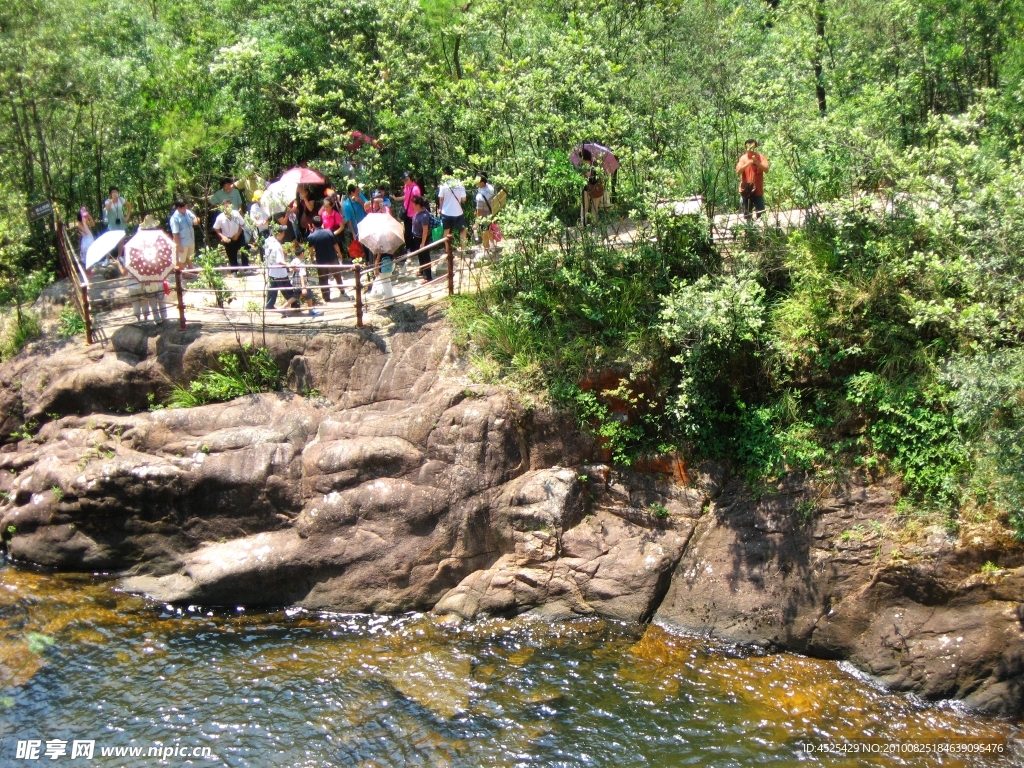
<point x="451" y="270"/>
<point x="85" y="314"/>
<point x="359" y="297"/>
<point x="181" y="298"/>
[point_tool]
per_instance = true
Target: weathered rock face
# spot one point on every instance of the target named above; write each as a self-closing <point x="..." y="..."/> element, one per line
<point x="614" y="562"/>
<point x="402" y="486"/>
<point x="837" y="583"/>
<point x="386" y="492"/>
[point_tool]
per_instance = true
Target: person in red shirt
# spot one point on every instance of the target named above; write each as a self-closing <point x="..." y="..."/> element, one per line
<point x="751" y="168"/>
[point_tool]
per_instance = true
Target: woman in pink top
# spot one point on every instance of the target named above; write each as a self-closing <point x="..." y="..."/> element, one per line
<point x="410" y="189"/>
<point x="331" y="217"/>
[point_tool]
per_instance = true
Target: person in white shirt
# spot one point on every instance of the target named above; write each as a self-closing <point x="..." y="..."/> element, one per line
<point x="259" y="218"/>
<point x="301" y="292"/>
<point x="484" y="211"/>
<point x="116" y="213"/>
<point x="450" y="197"/>
<point x="277" y="268"/>
<point x="229" y="226"/>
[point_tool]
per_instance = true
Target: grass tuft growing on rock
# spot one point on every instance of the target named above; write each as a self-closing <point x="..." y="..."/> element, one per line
<point x="245" y="372"/>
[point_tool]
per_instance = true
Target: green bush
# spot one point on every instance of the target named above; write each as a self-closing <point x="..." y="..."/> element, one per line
<point x="562" y="304"/>
<point x="916" y="426"/>
<point x="71" y="321"/>
<point x="23" y="329"/>
<point x="245" y="372"/>
<point x="212" y="279"/>
<point x="716" y="325"/>
<point x="989" y="402"/>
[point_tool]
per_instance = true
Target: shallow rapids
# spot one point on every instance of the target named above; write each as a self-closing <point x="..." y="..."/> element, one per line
<point x="81" y="661"/>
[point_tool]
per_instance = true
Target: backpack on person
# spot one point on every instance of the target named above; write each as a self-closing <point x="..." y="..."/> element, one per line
<point x="436" y="228"/>
<point x="498" y="201"/>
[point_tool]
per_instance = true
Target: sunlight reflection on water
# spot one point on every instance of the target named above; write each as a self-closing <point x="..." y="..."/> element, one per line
<point x="301" y="689"/>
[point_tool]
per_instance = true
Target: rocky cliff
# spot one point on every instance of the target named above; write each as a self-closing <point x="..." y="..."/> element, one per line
<point x="400" y="485"/>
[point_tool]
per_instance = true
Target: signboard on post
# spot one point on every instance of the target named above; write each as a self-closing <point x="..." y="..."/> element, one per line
<point x="40" y="211"/>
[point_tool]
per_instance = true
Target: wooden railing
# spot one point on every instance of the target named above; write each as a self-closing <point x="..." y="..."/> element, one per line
<point x="67" y="255"/>
<point x="97" y="317"/>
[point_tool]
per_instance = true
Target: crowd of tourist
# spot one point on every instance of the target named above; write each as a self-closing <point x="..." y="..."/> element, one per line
<point x="305" y="242"/>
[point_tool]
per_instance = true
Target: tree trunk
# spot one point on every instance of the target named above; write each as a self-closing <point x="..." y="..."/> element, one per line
<point x="455" y="57"/>
<point x="819" y="73"/>
<point x="25" y="144"/>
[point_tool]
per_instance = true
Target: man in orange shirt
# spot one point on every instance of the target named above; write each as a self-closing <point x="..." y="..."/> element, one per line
<point x="751" y="168"/>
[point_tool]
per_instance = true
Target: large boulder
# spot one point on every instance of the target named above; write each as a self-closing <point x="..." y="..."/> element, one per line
<point x="558" y="562"/>
<point x="832" y="577"/>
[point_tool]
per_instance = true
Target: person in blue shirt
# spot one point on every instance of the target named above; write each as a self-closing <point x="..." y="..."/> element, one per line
<point x="354" y="210"/>
<point x="383" y="197"/>
<point x="183" y="223"/>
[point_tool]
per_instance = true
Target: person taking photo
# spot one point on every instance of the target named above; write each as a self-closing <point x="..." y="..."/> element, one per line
<point x="751" y="168"/>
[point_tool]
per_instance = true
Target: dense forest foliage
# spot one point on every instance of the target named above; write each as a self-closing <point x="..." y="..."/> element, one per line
<point x="885" y="334"/>
<point x="165" y="97"/>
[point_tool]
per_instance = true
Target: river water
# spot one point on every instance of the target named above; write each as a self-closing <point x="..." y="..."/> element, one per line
<point x="81" y="661"/>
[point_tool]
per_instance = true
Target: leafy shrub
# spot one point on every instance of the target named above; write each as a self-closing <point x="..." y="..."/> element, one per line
<point x="616" y="435"/>
<point x="716" y="325"/>
<point x="248" y="371"/>
<point x="210" y="278"/>
<point x="989" y="401"/>
<point x="24" y="328"/>
<point x="561" y="304"/>
<point x="916" y="426"/>
<point x="71" y="321"/>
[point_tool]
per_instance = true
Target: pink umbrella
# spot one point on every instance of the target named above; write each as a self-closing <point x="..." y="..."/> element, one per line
<point x="358" y="139"/>
<point x="300" y="175"/>
<point x="603" y="157"/>
<point x="149" y="255"/>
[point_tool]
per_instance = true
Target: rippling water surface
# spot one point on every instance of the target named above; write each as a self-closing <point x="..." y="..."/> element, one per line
<point x="79" y="660"/>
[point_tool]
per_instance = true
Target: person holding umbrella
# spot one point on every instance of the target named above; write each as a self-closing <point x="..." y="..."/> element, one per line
<point x="354" y="209"/>
<point x="148" y="259"/>
<point x="328" y="258"/>
<point x="381" y="234"/>
<point x="593" y="189"/>
<point x="85" y="235"/>
<point x="305" y="210"/>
